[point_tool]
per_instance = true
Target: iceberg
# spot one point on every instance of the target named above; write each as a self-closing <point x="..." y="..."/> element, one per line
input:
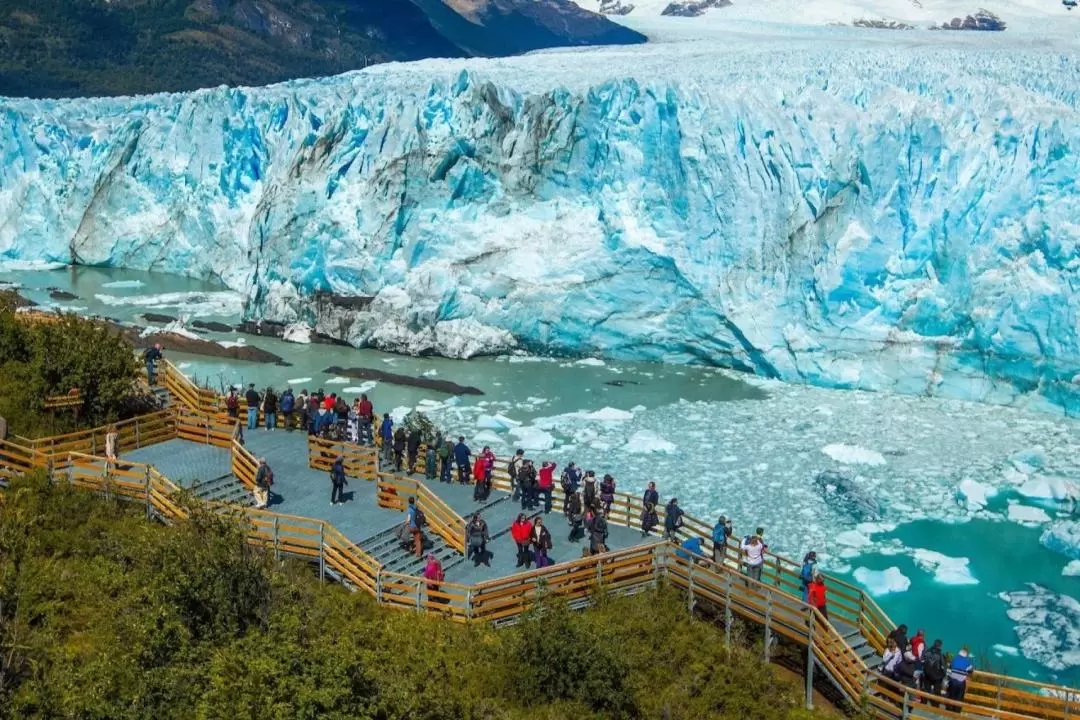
<point x="1047" y="624"/>
<point x="1027" y="515"/>
<point x="947" y="570"/>
<point x="889" y="214"/>
<point x="1063" y="536"/>
<point x="975" y="493"/>
<point x="882" y="582"/>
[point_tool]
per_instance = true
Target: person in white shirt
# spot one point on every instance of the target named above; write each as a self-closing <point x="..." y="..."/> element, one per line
<point x="753" y="556"/>
<point x="891" y="658"/>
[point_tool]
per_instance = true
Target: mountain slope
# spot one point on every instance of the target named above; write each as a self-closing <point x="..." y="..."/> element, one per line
<point x="64" y="48"/>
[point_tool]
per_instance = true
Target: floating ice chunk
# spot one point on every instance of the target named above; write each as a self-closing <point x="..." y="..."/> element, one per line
<point x="853" y="454"/>
<point x="486" y="437"/>
<point x="299" y="333"/>
<point x="398" y="414"/>
<point x="238" y="342"/>
<point x="947" y="570"/>
<point x="1063" y="537"/>
<point x="496" y="422"/>
<point x="638" y="409"/>
<point x="176" y="327"/>
<point x="975" y="493"/>
<point x="647" y="441"/>
<point x="1048" y="625"/>
<point x="430" y="373"/>
<point x="532" y="438"/>
<point x="1006" y="650"/>
<point x="298" y="381"/>
<point x="591" y="362"/>
<point x="1026" y="514"/>
<point x="1029" y="460"/>
<point x="338" y="381"/>
<point x="1050" y="487"/>
<point x="853" y="539"/>
<point x="224" y="302"/>
<point x="883" y="582"/>
<point x="608" y="414"/>
<point x="875" y="528"/>
<point x="1072" y="569"/>
<point x="117" y="284"/>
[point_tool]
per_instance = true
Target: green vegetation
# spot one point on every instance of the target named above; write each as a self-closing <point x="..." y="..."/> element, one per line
<point x="38" y="360"/>
<point x="105" y="615"/>
<point x="68" y="48"/>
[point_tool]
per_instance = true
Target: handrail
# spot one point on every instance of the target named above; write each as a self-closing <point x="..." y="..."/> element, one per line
<point x="392" y="492"/>
<point x="361" y="462"/>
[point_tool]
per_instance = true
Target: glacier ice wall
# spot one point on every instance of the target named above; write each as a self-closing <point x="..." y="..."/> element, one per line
<point x="876" y="217"/>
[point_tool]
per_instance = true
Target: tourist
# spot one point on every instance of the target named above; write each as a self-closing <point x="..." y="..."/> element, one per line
<point x="400" y="441"/>
<point x="918" y="647"/>
<point x="816" y="593"/>
<point x="905" y="669"/>
<point x="720" y="533"/>
<point x="112" y="443"/>
<point x="959" y="671"/>
<point x="598" y="534"/>
<point x="899" y="635"/>
<point x="434" y="575"/>
<point x="570" y="481"/>
<point x="313" y="413"/>
<point x="649" y="516"/>
<point x="477" y="532"/>
<point x="690" y="547"/>
<point x="891" y="658"/>
<point x="607" y="493"/>
<point x="806" y="575"/>
<point x="270" y="407"/>
<point x="588" y="517"/>
<point x="429" y="460"/>
<point x="933" y="670"/>
<point x="574" y="517"/>
<point x="413" y="447"/>
<point x="753" y="552"/>
<point x="366" y="415"/>
<point x="673" y="519"/>
<point x="386" y="433"/>
<point x="151" y="356"/>
<point x="512" y="469"/>
<point x="251" y="397"/>
<point x="415" y="517"/>
<point x="462" y="454"/>
<point x="232" y="403"/>
<point x="287" y="404"/>
<point x="341" y="415"/>
<point x="482" y="487"/>
<point x="541" y="543"/>
<point x="330" y="402"/>
<point x="339" y="481"/>
<point x="760" y="534"/>
<point x="588" y="493"/>
<point x="446" y="452"/>
<point x="302" y="410"/>
<point x="545" y="483"/>
<point x="521" y="532"/>
<point x="527" y="481"/>
<point x="264" y="480"/>
<point x="324" y="423"/>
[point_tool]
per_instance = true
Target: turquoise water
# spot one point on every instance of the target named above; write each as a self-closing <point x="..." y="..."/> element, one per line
<point x="744" y="449"/>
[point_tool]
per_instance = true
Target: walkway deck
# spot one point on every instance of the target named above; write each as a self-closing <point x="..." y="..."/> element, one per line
<point x="301" y="490"/>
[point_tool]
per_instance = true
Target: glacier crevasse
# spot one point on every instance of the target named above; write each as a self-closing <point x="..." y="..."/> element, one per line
<point x="883" y="218"/>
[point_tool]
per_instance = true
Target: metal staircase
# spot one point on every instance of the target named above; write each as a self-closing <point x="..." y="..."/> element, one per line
<point x="225" y="489"/>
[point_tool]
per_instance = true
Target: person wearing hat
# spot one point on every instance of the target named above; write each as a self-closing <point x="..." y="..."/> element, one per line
<point x="806" y="575"/>
<point x="720" y="534"/>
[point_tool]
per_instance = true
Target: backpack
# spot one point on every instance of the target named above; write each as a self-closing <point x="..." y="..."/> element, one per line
<point x="934" y="664"/>
<point x="232" y="402"/>
<point x="567" y="486"/>
<point x="419" y="519"/>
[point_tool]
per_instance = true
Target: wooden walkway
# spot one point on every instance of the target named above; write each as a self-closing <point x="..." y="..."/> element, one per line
<point x="844" y="650"/>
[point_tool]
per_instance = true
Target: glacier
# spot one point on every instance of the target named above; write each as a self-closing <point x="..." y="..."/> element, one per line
<point x="818" y="207"/>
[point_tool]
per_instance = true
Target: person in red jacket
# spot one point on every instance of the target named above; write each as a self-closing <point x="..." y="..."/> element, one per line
<point x="521" y="531"/>
<point x="489" y="464"/>
<point x="482" y="486"/>
<point x="546" y="483"/>
<point x="817" y="594"/>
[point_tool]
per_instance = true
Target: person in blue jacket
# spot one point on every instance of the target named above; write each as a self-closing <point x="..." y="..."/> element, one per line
<point x="386" y="432"/>
<point x="461" y="458"/>
<point x="287" y="405"/>
<point x="959" y="672"/>
<point x="806" y="575"/>
<point x="690" y="545"/>
<point x="720" y="533"/>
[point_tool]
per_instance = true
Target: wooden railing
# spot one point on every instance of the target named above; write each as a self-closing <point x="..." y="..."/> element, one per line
<point x="16" y="460"/>
<point x="393" y="492"/>
<point x="216" y="430"/>
<point x="361" y="462"/>
<point x="195" y="398"/>
<point x="138" y="432"/>
<point x="244" y="464"/>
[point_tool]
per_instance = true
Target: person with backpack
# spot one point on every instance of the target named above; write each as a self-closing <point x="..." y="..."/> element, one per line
<point x="481" y="487"/>
<point x="521" y="532"/>
<point x="569" y="481"/>
<point x="413" y="447"/>
<point x="477" y="533"/>
<point x="287" y="403"/>
<point x="264" y="480"/>
<point x="753" y="552"/>
<point x="462" y="454"/>
<point x="251" y="397"/>
<point x="541" y="543"/>
<point x="720" y="533"/>
<point x="270" y="406"/>
<point x="545" y="484"/>
<point x="365" y="419"/>
<point x="527" y="481"/>
<point x="151" y="355"/>
<point x="386" y="433"/>
<point x="338" y="481"/>
<point x="960" y="670"/>
<point x="649" y="518"/>
<point x="588" y="492"/>
<point x="890" y="659"/>
<point x="232" y="403"/>
<point x="806" y="575"/>
<point x="314" y="406"/>
<point x="429" y="460"/>
<point x="899" y="634"/>
<point x="574" y="517"/>
<point x="816" y="593"/>
<point x="446" y="452"/>
<point x="512" y="469"/>
<point x="918" y="647"/>
<point x="417" y="520"/>
<point x="400" y="441"/>
<point x="302" y="410"/>
<point x="933" y="675"/>
<point x="607" y="492"/>
<point x="673" y="519"/>
<point x="434" y="576"/>
<point x="598" y="534"/>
